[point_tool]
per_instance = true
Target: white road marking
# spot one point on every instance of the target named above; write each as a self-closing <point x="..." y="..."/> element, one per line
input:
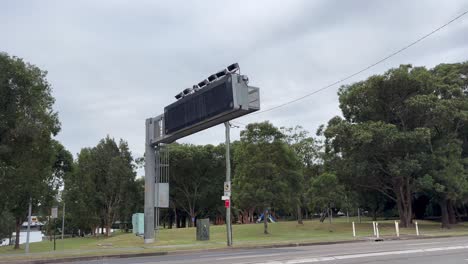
<point x="421" y="244"/>
<point x="364" y="255"/>
<point x="250" y="256"/>
<point x="221" y="254"/>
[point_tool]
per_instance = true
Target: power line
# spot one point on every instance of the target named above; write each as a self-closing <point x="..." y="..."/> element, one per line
<point x="364" y="69"/>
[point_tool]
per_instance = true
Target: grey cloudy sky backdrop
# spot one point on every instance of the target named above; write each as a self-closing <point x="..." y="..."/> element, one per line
<point x="114" y="63"/>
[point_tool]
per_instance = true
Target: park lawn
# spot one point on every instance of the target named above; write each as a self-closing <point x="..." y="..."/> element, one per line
<point x="243" y="235"/>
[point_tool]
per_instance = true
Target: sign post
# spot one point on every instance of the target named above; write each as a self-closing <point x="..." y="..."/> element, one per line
<point x="26" y="249"/>
<point x="227" y="186"/>
<point x="54" y="215"/>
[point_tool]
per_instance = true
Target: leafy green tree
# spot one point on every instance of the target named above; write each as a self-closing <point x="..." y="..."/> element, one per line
<point x="380" y="141"/>
<point x="267" y="171"/>
<point x="97" y="190"/>
<point x="27" y="123"/>
<point x="196" y="176"/>
<point x="79" y="194"/>
<point x="7" y="224"/>
<point x="402" y="132"/>
<point x="308" y="151"/>
<point x="445" y="112"/>
<point x="325" y="194"/>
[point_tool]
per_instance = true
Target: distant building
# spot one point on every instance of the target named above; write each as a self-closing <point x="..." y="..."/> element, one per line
<point x="34" y="236"/>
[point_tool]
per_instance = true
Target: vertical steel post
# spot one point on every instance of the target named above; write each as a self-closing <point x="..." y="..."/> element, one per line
<point x="26" y="249"/>
<point x="55" y="232"/>
<point x="157" y="180"/>
<point x="150" y="171"/>
<point x="228" y="179"/>
<point x="63" y="220"/>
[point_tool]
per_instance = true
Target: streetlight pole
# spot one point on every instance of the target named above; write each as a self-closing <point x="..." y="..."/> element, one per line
<point x="228" y="180"/>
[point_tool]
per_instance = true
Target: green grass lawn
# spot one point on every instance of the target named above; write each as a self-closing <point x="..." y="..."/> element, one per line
<point x="243" y="235"/>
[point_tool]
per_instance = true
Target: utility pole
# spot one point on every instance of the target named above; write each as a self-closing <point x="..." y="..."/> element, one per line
<point x="228" y="180"/>
<point x="63" y="220"/>
<point x="26" y="249"/>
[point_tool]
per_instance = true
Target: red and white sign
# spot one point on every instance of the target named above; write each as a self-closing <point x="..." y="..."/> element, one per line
<point x="226" y="203"/>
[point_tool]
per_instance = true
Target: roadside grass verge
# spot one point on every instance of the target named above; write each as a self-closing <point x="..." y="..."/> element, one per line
<point x="243" y="235"/>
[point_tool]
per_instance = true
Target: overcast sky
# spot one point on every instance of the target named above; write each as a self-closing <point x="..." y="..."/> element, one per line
<point x="114" y="63"/>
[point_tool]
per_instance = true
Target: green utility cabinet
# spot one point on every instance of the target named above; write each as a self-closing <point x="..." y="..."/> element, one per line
<point x="138" y="222"/>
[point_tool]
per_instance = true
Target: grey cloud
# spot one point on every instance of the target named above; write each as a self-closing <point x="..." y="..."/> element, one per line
<point x="114" y="63"/>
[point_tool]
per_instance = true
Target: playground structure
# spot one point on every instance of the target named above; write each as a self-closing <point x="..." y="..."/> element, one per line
<point x="270" y="218"/>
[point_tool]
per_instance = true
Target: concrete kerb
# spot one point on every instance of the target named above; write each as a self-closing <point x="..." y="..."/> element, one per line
<point x="181" y="252"/>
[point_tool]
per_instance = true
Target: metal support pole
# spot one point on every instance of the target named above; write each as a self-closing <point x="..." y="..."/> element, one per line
<point x="63" y="220"/>
<point x="55" y="231"/>
<point x="228" y="179"/>
<point x="150" y="171"/>
<point x="157" y="180"/>
<point x="26" y="249"/>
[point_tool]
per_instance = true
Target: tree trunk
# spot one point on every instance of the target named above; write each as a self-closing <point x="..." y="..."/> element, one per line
<point x="404" y="205"/>
<point x="451" y="213"/>
<point x="323" y="215"/>
<point x="108" y="229"/>
<point x="18" y="230"/>
<point x="251" y="214"/>
<point x="444" y="214"/>
<point x="265" y="222"/>
<point x="299" y="215"/>
<point x="192" y="219"/>
<point x="109" y="221"/>
<point x="176" y="219"/>
<point x="9" y="238"/>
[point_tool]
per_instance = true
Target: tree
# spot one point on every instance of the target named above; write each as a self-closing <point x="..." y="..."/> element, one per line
<point x="197" y="174"/>
<point x="380" y="140"/>
<point x="325" y="194"/>
<point x="402" y="130"/>
<point x="27" y="122"/>
<point x="114" y="175"/>
<point x="7" y="224"/>
<point x="445" y="113"/>
<point x="267" y="170"/>
<point x="308" y="151"/>
<point x="79" y="193"/>
<point x="104" y="178"/>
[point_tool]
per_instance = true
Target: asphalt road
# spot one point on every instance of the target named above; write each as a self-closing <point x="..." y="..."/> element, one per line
<point x="442" y="250"/>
